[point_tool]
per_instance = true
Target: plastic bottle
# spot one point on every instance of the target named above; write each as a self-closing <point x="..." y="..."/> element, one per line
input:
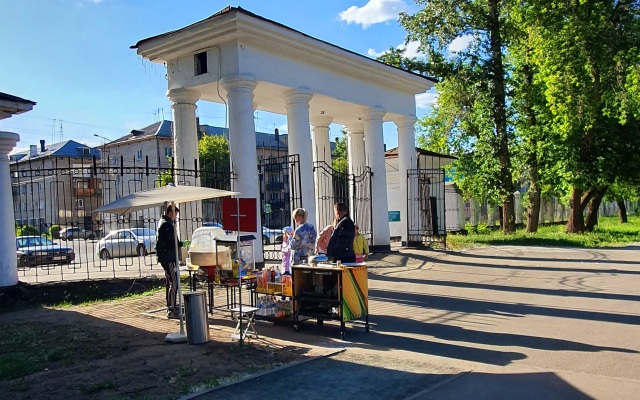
<point x="273" y="276"/>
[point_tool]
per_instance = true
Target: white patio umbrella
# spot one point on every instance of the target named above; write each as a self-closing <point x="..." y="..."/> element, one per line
<point x="158" y="197"/>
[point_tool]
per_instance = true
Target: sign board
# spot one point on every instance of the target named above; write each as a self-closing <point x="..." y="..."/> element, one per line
<point x="267" y="208"/>
<point x="247" y="216"/>
<point x="394" y="216"/>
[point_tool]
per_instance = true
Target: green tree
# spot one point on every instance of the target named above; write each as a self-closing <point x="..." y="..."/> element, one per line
<point x="587" y="59"/>
<point x="339" y="158"/>
<point x="213" y="151"/>
<point x="480" y="67"/>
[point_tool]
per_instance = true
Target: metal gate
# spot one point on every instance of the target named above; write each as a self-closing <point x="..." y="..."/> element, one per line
<point x="63" y="192"/>
<point x="354" y="190"/>
<point x="280" y="194"/>
<point x="426" y="222"/>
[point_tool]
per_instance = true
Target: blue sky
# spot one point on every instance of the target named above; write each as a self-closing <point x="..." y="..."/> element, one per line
<point x="72" y="57"/>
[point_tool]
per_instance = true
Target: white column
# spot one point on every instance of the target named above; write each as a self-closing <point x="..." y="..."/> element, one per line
<point x="8" y="260"/>
<point x="374" y="149"/>
<point x="185" y="151"/>
<point x="242" y="144"/>
<point x="406" y="161"/>
<point x="297" y="104"/>
<point x="356" y="162"/>
<point x="356" y="149"/>
<point x="322" y="181"/>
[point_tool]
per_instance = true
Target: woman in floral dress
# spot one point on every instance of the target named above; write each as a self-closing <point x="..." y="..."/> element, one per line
<point x="303" y="242"/>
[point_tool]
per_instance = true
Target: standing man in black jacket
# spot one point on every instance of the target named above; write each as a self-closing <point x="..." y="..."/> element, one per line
<point x="340" y="247"/>
<point x="166" y="253"/>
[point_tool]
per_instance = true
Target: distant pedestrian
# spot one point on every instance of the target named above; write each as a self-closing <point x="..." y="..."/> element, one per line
<point x="303" y="242"/>
<point x="166" y="254"/>
<point x="340" y="246"/>
<point x="360" y="245"/>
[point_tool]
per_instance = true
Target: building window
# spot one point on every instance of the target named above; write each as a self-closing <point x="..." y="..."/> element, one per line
<point x="80" y="203"/>
<point x="40" y="187"/>
<point x="24" y="206"/>
<point x="200" y="63"/>
<point x="139" y="154"/>
<point x="113" y="160"/>
<point x="86" y="151"/>
<point x="140" y="175"/>
<point x="168" y="152"/>
<point x="42" y="204"/>
<point x="16" y="206"/>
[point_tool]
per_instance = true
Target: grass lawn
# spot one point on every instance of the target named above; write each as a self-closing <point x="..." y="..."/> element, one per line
<point x="609" y="232"/>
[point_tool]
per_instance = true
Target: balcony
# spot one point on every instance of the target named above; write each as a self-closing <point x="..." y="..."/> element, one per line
<point x="85" y="192"/>
<point x="275" y="185"/>
<point x="272" y="167"/>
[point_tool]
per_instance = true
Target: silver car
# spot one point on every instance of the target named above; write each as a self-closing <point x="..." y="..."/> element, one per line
<point x="127" y="242"/>
<point x="76" y="233"/>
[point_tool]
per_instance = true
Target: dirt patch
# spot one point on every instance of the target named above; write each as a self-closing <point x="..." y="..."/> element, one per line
<point x="111" y="350"/>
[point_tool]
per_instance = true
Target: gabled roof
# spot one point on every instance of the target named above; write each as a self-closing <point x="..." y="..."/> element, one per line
<point x="67" y="149"/>
<point x="160" y="129"/>
<point x="229" y="9"/>
<point x="9" y="97"/>
<point x="393" y="153"/>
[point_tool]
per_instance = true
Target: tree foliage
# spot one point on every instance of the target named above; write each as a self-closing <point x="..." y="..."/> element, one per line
<point x="480" y="112"/>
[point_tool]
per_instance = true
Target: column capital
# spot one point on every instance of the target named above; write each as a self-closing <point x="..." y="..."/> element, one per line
<point x="321" y="120"/>
<point x="374" y="113"/>
<point x="405" y="121"/>
<point x="182" y="95"/>
<point x="356" y="127"/>
<point x="299" y="95"/>
<point x="239" y="83"/>
<point x="8" y="141"/>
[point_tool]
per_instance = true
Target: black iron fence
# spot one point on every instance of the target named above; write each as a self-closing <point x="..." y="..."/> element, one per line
<point x="280" y="194"/>
<point x="59" y="235"/>
<point x="426" y="222"/>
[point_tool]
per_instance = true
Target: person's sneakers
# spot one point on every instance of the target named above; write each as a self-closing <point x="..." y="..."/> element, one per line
<point x="173" y="314"/>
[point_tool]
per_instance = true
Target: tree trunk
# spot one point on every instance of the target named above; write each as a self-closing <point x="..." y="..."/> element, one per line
<point x="575" y="221"/>
<point x="592" y="209"/>
<point x="500" y="118"/>
<point x="623" y="211"/>
<point x="533" y="211"/>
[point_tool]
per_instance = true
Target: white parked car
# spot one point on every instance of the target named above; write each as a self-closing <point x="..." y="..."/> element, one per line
<point x="271" y="236"/>
<point x="127" y="242"/>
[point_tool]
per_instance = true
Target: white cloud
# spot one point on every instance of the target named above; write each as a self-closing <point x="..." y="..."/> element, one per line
<point x="283" y="129"/>
<point x="411" y="50"/>
<point x="373" y="54"/>
<point x="374" y="12"/>
<point x="460" y="43"/>
<point x="426" y="100"/>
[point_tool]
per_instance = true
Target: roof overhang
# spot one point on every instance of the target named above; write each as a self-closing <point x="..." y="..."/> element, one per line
<point x="12" y="105"/>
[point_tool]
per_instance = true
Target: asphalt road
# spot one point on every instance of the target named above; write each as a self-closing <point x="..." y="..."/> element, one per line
<point x="491" y="323"/>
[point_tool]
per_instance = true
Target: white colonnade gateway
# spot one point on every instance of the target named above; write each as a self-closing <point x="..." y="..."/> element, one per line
<point x="251" y="63"/>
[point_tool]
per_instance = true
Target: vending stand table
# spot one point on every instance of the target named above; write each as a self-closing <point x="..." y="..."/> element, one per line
<point x="330" y="292"/>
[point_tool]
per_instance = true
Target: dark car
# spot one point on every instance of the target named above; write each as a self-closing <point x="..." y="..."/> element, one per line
<point x="38" y="250"/>
<point x="76" y="233"/>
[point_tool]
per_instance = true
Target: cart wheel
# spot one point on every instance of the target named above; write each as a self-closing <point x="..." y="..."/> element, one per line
<point x="320" y="321"/>
<point x="296" y="328"/>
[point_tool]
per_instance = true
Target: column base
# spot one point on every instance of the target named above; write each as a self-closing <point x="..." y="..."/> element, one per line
<point x="382" y="248"/>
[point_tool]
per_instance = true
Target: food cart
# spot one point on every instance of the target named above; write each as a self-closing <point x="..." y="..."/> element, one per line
<point x="329" y="291"/>
<point x="224" y="258"/>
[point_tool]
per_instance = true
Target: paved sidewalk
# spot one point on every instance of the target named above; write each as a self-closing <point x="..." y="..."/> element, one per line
<point x="490" y="323"/>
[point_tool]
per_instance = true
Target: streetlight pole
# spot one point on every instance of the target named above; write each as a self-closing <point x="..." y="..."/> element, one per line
<point x="104" y="143"/>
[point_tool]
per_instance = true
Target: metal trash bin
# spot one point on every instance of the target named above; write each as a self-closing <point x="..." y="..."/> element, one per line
<point x="195" y="309"/>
